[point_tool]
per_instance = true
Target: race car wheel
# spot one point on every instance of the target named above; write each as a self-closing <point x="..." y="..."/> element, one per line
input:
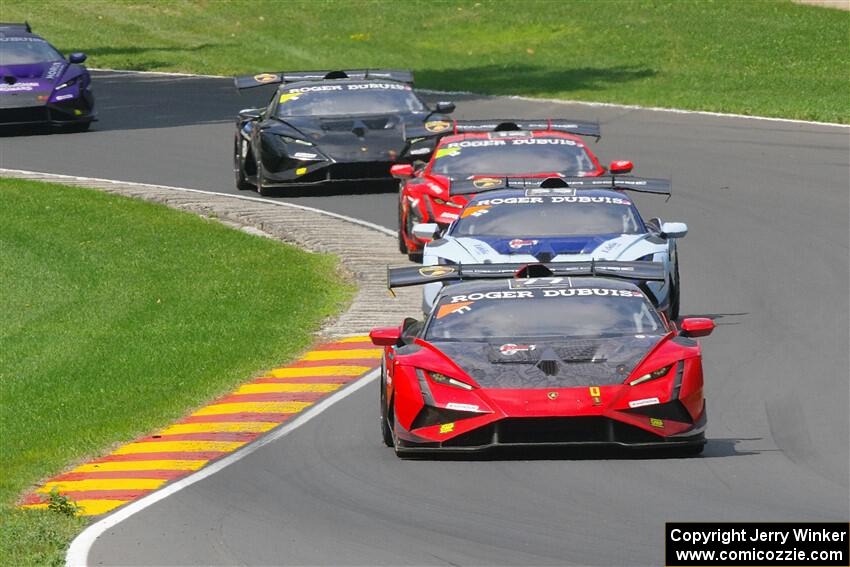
<point x="692" y="450"/>
<point x="387" y="432"/>
<point x="261" y="182"/>
<point x="402" y="245"/>
<point x="386" y="429"/>
<point x="673" y="310"/>
<point x="241" y="182"/>
<point x="78" y="127"/>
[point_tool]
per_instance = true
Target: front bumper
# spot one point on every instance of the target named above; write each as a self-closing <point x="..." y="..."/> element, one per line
<point x="565" y="432"/>
<point x="324" y="172"/>
<point x="75" y="111"/>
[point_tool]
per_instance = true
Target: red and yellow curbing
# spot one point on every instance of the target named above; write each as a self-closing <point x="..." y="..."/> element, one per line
<point x="145" y="465"/>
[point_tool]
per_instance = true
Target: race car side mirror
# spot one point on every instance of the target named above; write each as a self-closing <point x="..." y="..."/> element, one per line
<point x="385" y="336"/>
<point x="426" y="230"/>
<point x="250" y="113"/>
<point x="401" y="170"/>
<point x="674" y="229"/>
<point x="620" y="166"/>
<point x="445" y="107"/>
<point x="77" y="57"/>
<point x="697" y="327"/>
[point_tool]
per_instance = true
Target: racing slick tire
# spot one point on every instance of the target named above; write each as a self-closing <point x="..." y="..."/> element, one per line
<point x="402" y="245"/>
<point x="673" y="309"/>
<point x="78" y="127"/>
<point x="386" y="429"/>
<point x="692" y="450"/>
<point x="261" y="186"/>
<point x="241" y="182"/>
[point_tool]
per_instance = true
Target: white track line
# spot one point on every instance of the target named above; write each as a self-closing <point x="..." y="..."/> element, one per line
<point x="550" y="100"/>
<point x="78" y="552"/>
<point x="367" y="224"/>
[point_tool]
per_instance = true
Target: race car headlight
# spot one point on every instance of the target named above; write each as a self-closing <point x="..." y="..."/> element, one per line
<point x="446" y="203"/>
<point x="67" y="84"/>
<point x="290" y="140"/>
<point x="647" y="258"/>
<point x="651" y="376"/>
<point x="448" y="381"/>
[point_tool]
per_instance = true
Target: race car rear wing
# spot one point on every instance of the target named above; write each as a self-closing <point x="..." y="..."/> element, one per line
<point x="15" y="27"/>
<point x="438" y="128"/>
<point x="260" y="79"/>
<point x="562" y="185"/>
<point x="406" y="276"/>
<point x="638" y="272"/>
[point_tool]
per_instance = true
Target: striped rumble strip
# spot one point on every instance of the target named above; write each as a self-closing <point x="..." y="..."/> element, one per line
<point x="144" y="465"/>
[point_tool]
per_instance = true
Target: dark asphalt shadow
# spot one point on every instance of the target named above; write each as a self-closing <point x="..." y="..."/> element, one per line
<point x="714" y="448"/>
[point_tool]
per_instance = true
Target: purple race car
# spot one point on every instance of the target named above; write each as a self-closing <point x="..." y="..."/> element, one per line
<point x="39" y="86"/>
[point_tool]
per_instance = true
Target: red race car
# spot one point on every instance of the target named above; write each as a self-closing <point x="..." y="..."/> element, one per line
<point x="558" y="354"/>
<point x="483" y="151"/>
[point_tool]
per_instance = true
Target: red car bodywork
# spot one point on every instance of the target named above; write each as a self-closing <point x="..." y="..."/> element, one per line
<point x="665" y="411"/>
<point x="425" y="197"/>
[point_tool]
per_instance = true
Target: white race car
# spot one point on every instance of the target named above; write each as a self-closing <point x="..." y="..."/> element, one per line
<point x="558" y="220"/>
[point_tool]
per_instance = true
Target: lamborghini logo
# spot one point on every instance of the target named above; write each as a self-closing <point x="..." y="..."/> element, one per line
<point x="265" y="78"/>
<point x="437" y="125"/>
<point x="552" y="395"/>
<point x="487" y="182"/>
<point x="436" y="271"/>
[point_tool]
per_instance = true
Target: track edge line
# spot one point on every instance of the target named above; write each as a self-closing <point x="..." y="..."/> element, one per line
<point x="78" y="552"/>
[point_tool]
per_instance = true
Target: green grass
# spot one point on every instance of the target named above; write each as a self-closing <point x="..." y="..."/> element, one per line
<point x="118" y="316"/>
<point x="765" y="57"/>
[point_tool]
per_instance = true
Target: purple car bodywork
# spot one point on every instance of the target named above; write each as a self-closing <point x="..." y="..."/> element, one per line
<point x="38" y="85"/>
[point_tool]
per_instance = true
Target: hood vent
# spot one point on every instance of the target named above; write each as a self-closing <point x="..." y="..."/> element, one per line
<point x="548" y="367"/>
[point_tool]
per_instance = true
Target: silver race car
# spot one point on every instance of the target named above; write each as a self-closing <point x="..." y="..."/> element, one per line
<point x="560" y="219"/>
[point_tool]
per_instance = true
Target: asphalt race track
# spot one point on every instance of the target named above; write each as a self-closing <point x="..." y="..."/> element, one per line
<point x="767" y="257"/>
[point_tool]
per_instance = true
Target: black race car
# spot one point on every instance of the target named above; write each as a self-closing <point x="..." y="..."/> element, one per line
<point x="327" y="126"/>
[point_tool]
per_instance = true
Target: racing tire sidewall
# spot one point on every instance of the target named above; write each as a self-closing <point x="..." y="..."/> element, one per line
<point x="386" y="429"/>
<point x="238" y="169"/>
<point x="402" y="244"/>
<point x="261" y="187"/>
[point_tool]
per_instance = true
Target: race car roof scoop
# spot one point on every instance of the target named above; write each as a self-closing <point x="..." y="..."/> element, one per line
<point x="336" y="75"/>
<point x="548" y="367"/>
<point x="533" y="271"/>
<point x="552" y="182"/>
<point x="506" y="127"/>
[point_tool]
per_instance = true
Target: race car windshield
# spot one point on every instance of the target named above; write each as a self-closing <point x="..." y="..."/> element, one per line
<point x="512" y="157"/>
<point x="546" y="312"/>
<point x="348" y="99"/>
<point x="26" y="50"/>
<point x="548" y="218"/>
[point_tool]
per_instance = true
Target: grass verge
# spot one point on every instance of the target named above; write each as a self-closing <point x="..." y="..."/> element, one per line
<point x="118" y="316"/>
<point x="764" y="57"/>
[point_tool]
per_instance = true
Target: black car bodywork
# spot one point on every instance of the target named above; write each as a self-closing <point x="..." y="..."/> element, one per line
<point x="327" y="126"/>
